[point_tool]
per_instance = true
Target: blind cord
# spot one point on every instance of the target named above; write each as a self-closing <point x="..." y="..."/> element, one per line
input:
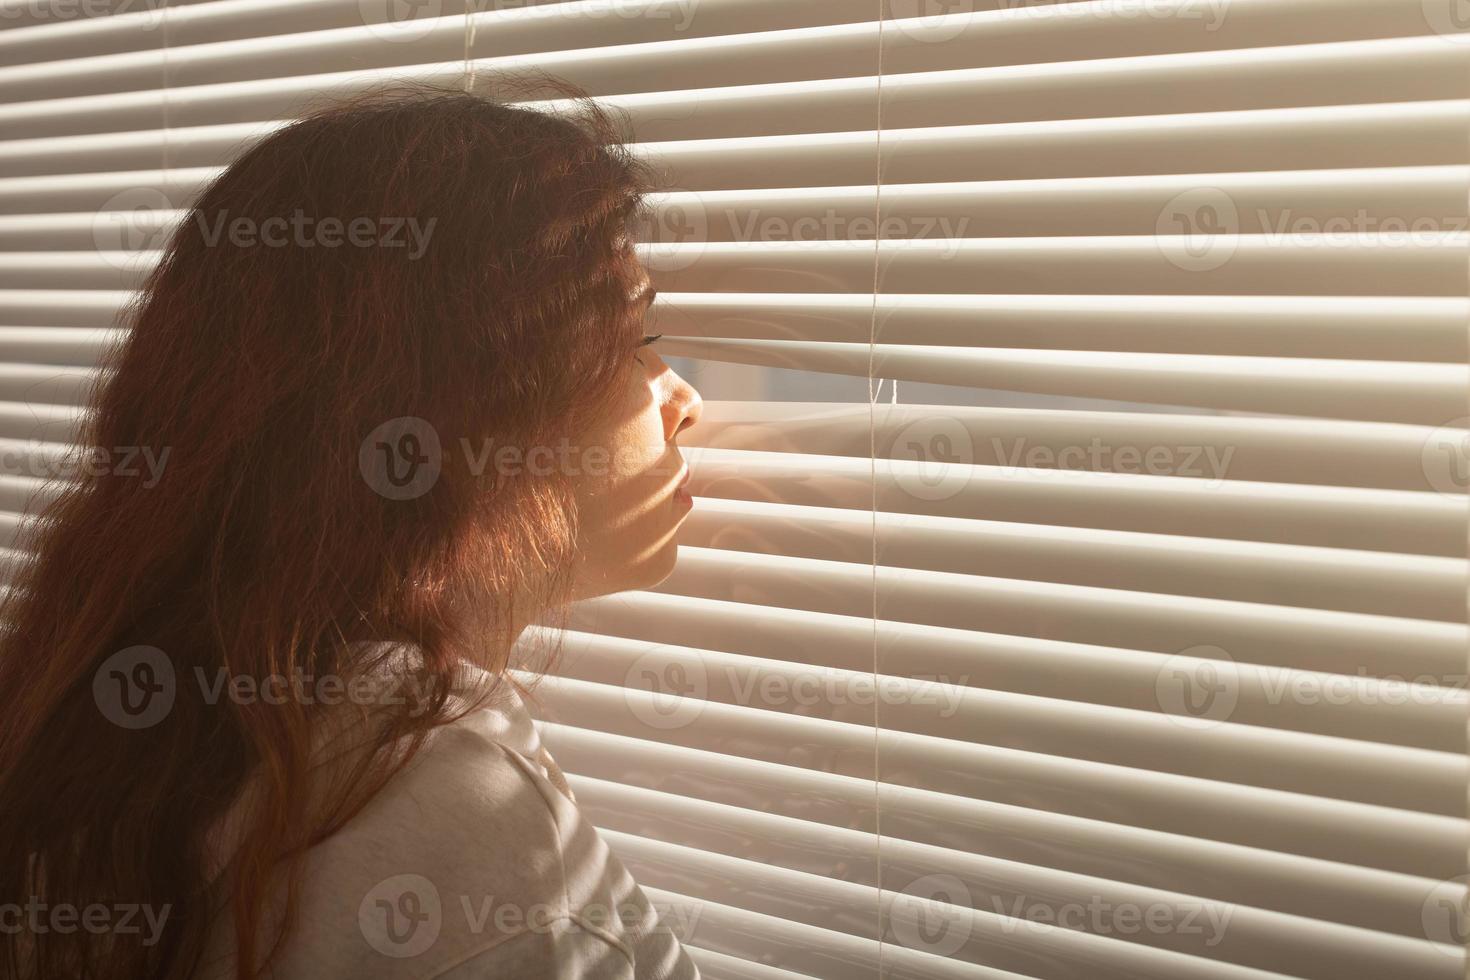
<point x="873" y="480"/>
<point x="469" y="44"/>
<point x="163" y="24"/>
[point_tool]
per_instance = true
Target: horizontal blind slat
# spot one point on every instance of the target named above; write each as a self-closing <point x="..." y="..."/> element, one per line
<point x="1413" y="134"/>
<point x="1372" y="328"/>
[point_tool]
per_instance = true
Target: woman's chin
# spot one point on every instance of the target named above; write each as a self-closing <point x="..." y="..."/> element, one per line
<point x="647" y="572"/>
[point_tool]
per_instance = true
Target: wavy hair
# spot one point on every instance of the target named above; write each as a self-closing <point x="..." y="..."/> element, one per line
<point x="269" y="546"/>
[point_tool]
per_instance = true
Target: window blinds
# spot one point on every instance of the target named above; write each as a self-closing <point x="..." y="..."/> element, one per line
<point x="1077" y="584"/>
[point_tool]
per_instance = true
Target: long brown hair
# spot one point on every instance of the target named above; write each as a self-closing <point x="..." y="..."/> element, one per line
<point x="268" y="546"/>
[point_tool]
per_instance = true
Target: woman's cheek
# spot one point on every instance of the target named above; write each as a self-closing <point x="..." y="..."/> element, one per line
<point x="638" y="450"/>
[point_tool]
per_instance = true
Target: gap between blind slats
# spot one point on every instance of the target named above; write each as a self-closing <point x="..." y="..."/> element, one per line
<point x="1381" y="391"/>
<point x="1302" y="451"/>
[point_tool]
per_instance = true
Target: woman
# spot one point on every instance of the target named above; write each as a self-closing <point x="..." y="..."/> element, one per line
<point x="259" y="712"/>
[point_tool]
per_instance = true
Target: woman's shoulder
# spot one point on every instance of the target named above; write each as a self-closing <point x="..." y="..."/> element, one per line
<point x="463" y="850"/>
<point x="471" y="858"/>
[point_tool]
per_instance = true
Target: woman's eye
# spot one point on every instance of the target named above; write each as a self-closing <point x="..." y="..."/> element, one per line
<point x="647" y="339"/>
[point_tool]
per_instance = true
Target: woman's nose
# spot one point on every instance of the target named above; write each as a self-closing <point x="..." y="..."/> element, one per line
<point x="682" y="408"/>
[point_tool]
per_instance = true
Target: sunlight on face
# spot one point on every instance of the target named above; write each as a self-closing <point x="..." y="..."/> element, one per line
<point x="631" y="509"/>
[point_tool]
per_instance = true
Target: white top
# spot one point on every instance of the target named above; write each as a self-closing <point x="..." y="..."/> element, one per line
<point x="469" y="863"/>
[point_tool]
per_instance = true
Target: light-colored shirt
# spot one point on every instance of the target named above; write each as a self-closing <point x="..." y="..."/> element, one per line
<point x="472" y="862"/>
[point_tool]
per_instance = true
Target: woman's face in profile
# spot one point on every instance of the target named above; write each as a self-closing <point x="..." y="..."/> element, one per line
<point x="631" y="507"/>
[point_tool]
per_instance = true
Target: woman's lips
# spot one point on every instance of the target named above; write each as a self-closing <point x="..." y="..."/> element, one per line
<point x="682" y="496"/>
